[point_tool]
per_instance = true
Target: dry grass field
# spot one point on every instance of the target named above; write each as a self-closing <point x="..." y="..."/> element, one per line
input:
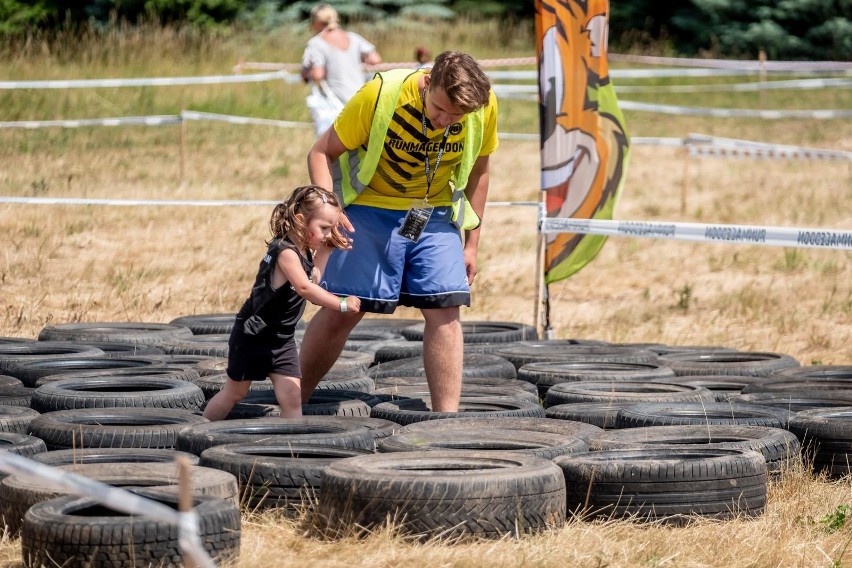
<point x="68" y="263"/>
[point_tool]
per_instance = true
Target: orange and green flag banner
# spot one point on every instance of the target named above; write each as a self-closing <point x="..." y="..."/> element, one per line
<point x="584" y="142"/>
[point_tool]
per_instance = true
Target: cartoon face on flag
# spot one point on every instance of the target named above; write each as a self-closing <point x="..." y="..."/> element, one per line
<point x="584" y="144"/>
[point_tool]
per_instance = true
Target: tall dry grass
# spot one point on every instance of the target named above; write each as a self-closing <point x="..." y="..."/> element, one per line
<point x="65" y="263"/>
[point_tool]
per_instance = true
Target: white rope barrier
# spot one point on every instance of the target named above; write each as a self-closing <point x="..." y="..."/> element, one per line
<point x="162" y="120"/>
<point x="231" y="119"/>
<point x="151" y="81"/>
<point x="794" y="84"/>
<point x="702" y="232"/>
<point x="734" y="112"/>
<point x="119" y="499"/>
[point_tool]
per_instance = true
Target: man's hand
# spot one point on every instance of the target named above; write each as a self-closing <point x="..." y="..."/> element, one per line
<point x="470" y="264"/>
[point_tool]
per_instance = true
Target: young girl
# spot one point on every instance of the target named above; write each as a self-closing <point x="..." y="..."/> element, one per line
<point x="262" y="343"/>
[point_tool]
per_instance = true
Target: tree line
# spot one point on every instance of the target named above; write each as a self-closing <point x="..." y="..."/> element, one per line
<point x="784" y="29"/>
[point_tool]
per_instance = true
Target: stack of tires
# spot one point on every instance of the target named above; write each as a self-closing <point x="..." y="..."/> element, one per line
<point x="546" y="430"/>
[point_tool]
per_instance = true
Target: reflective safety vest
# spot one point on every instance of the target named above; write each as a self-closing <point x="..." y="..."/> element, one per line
<point x="354" y="169"/>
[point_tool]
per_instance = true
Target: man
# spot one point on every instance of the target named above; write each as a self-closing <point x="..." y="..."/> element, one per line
<point x="408" y="155"/>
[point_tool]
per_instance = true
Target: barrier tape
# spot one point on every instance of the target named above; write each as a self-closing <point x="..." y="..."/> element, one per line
<point x="151" y="81"/>
<point x="114" y="497"/>
<point x="751" y="65"/>
<point x="788" y="66"/>
<point x="825" y="83"/>
<point x="700" y="144"/>
<point x="195" y="115"/>
<point x="182" y="202"/>
<point x="734" y="112"/>
<point x="127" y="120"/>
<point x="702" y="232"/>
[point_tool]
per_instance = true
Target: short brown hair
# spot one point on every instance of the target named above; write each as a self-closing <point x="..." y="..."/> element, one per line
<point x="466" y="84"/>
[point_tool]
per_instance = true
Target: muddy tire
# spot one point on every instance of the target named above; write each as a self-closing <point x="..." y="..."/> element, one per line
<point x="526" y="352"/>
<point x="545" y="375"/>
<point x="207" y="324"/>
<point x="16" y="419"/>
<point x="482" y="332"/>
<point x="601" y="414"/>
<point x="112" y="455"/>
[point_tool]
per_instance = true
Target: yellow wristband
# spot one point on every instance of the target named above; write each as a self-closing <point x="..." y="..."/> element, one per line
<point x="343" y="306"/>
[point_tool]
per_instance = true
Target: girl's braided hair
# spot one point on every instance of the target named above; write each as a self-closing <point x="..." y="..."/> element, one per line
<point x="304" y="200"/>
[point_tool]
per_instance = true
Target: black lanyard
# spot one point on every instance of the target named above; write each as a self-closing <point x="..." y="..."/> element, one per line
<point x="426" y="148"/>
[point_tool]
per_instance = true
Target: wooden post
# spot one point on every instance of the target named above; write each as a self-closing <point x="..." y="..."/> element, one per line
<point x="182" y="143"/>
<point x="762" y="60"/>
<point x="539" y="263"/>
<point x="185" y="497"/>
<point x="684" y="179"/>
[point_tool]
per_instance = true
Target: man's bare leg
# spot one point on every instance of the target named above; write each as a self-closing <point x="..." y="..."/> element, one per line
<point x="443" y="352"/>
<point x="322" y="343"/>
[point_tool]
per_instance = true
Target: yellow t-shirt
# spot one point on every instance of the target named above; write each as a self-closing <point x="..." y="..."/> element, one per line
<point x="401" y="172"/>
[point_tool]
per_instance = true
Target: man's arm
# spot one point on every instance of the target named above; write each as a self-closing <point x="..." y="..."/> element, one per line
<point x="322" y="155"/>
<point x="477" y="194"/>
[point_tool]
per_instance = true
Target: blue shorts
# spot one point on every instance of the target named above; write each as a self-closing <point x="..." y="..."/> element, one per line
<point x="384" y="269"/>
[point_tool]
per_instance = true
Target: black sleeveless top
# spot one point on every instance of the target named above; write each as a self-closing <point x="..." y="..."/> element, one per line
<point x="281" y="308"/>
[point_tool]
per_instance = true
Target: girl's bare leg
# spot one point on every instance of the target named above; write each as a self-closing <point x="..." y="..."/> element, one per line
<point x="288" y="393"/>
<point x="221" y="404"/>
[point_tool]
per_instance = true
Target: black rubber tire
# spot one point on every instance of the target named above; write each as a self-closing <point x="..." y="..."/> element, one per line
<point x="212" y="384"/>
<point x="112" y="428"/>
<point x="173" y="372"/>
<point x="10" y="381"/>
<point x="31" y="371"/>
<point x="601" y="414"/>
<point x="16" y="419"/>
<point x="214" y="345"/>
<point x="816" y="372"/>
<point x="780" y="448"/>
<point x="467" y="390"/>
<point x="412" y="410"/>
<point x="315" y="430"/>
<point x="207" y="324"/>
<point x="670" y="485"/>
<point x="278" y="475"/>
<point x="482" y="332"/>
<point x="760" y="363"/>
<point x="351" y="363"/>
<point x="11" y="354"/>
<point x="20" y="444"/>
<point x="826" y="436"/>
<point x="830" y="388"/>
<point x="140" y="392"/>
<point x="700" y="413"/>
<point x="362" y="339"/>
<point x="398" y="350"/>
<point x="565" y="428"/>
<point x="541" y="444"/>
<point x="321" y="403"/>
<point x="370" y="322"/>
<point x="723" y="386"/>
<point x="443" y="494"/>
<point x="664" y="348"/>
<point x="19" y="493"/>
<point x="793" y="401"/>
<point x="113" y="350"/>
<point x="113" y="455"/>
<point x="624" y="391"/>
<point x="212" y="366"/>
<point x="473" y="365"/>
<point x="386" y="382"/>
<point x="378" y="427"/>
<point x="361" y="383"/>
<point x="80" y="531"/>
<point x="135" y="333"/>
<point x="16" y="396"/>
<point x="545" y="375"/>
<point x="526" y="352"/>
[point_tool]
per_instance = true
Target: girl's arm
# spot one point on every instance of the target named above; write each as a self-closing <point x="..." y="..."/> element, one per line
<point x="290" y="267"/>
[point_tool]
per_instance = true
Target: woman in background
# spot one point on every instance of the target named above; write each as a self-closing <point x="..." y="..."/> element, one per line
<point x="334" y="61"/>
